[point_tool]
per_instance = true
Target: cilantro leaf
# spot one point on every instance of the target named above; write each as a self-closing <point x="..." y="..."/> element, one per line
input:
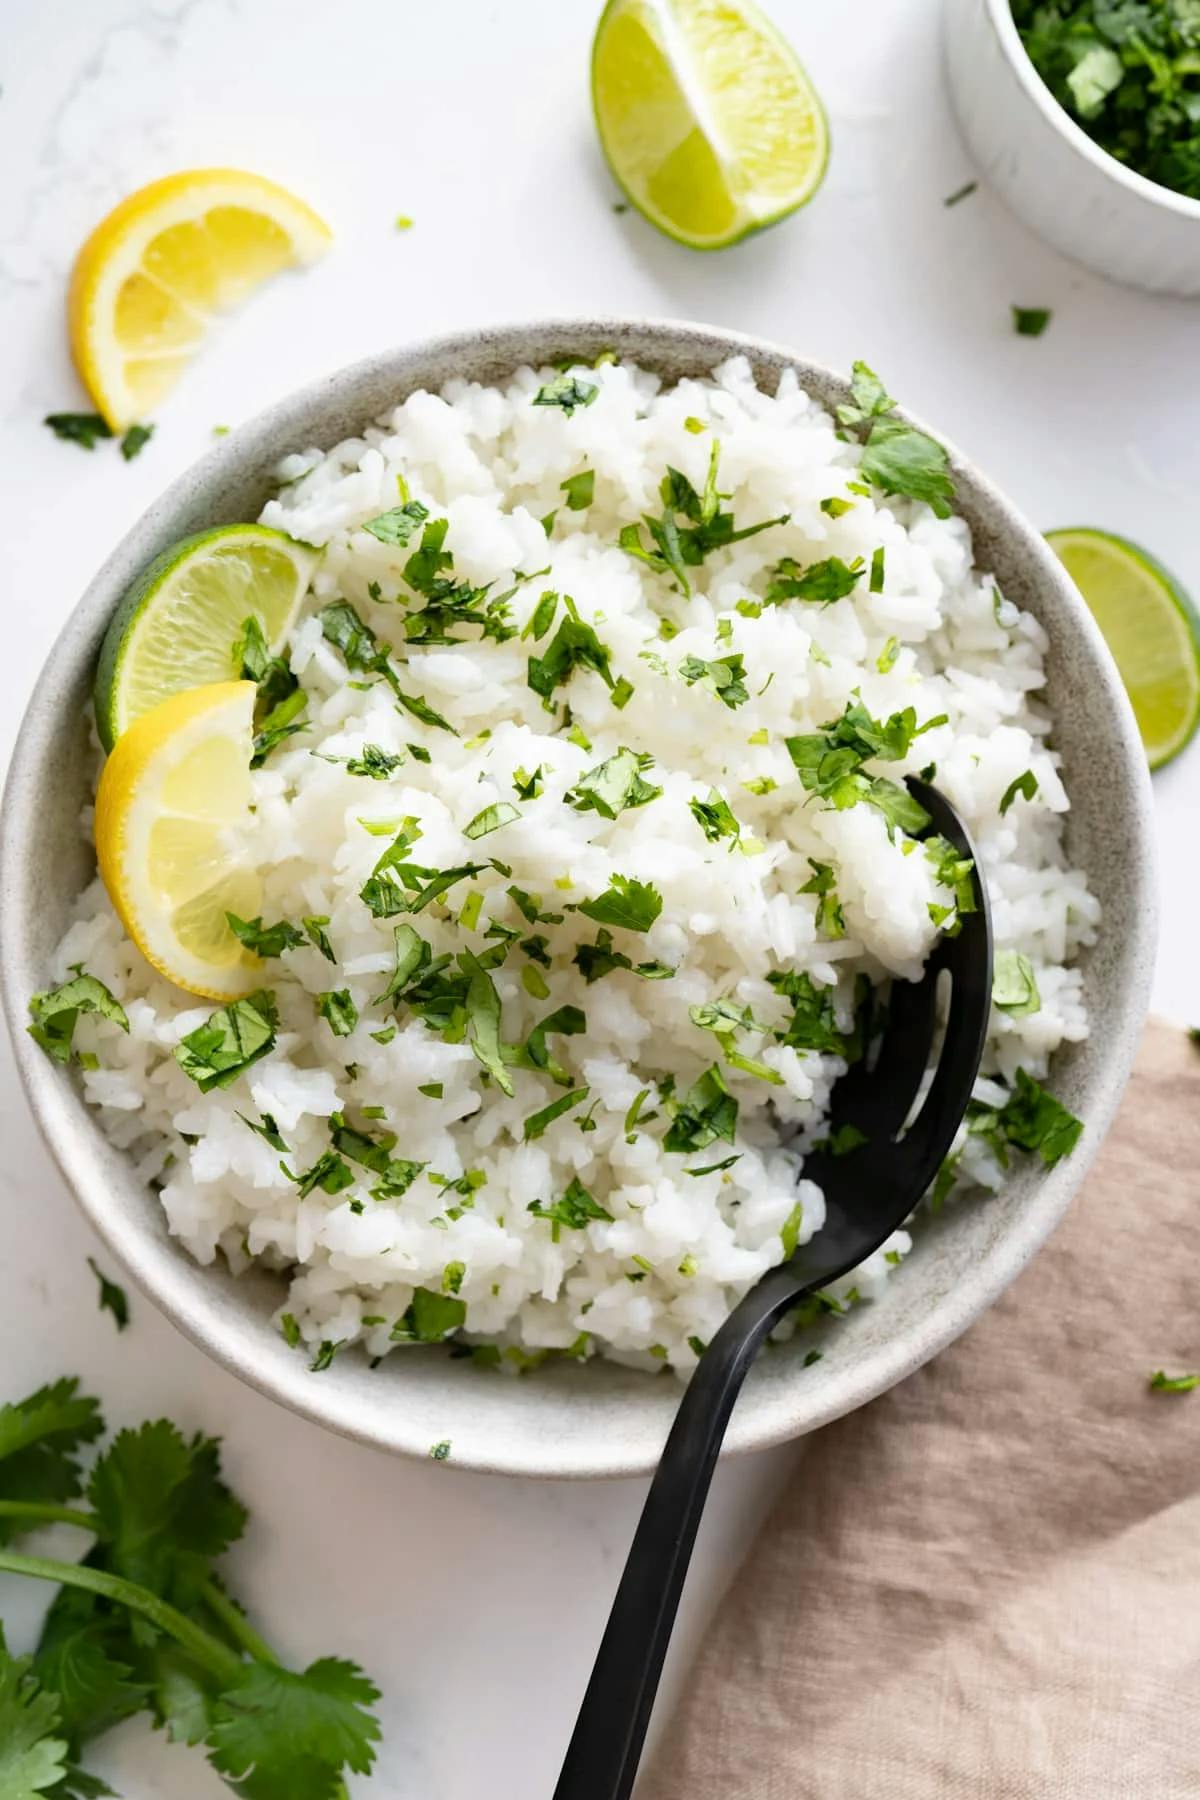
<point x="268" y="1130"/>
<point x="830" y="917"/>
<point x="397" y="525"/>
<point x="1031" y="1119"/>
<point x="230" y="1040"/>
<point x="896" y="456"/>
<point x="566" y="391"/>
<point x="40" y="1438"/>
<point x="163" y="1513"/>
<point x="542" y="617"/>
<point x="135" y="441"/>
<point x="725" y="677"/>
<point x="84" y="429"/>
<point x="1026" y="784"/>
<point x="264" y="940"/>
<point x="594" y="961"/>
<point x="429" y="1318"/>
<point x="282" y="1735"/>
<point x="576" y="1209"/>
<point x="813" y="1024"/>
<point x="113" y="1299"/>
<point x="580" y="490"/>
<point x="573" y="646"/>
<point x="537" y="1123"/>
<point x="314" y="925"/>
<point x="85" y="1657"/>
<point x="281" y="723"/>
<point x="55" y="1011"/>
<point x="707" y="1111"/>
<point x="32" y="1758"/>
<point x="361" y="650"/>
<point x="1031" y="321"/>
<point x="823" y="582"/>
<point x="396" y="1173"/>
<point x="1014" y="984"/>
<point x="715" y="818"/>
<point x="614" y="786"/>
<point x="634" y="905"/>
<point x="329" y="1173"/>
<point x="338" y="1011"/>
<point x="691" y="527"/>
<point x="491" y="819"/>
<point x="483" y="1022"/>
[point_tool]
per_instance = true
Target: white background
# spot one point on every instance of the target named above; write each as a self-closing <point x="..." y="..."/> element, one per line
<point x="475" y="1602"/>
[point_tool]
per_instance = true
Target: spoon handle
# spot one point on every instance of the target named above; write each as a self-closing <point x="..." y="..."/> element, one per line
<point x="602" y="1759"/>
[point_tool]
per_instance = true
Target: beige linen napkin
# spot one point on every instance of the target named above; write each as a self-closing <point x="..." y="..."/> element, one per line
<point x="986" y="1585"/>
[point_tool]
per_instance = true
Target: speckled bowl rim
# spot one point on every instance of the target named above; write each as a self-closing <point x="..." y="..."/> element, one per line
<point x="597" y="1420"/>
<point x="1069" y="129"/>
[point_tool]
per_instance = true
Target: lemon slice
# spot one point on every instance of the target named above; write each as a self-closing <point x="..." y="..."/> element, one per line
<point x="173" y="826"/>
<point x="707" y="119"/>
<point x="1150" y="626"/>
<point x="177" y="626"/>
<point x="153" y="274"/>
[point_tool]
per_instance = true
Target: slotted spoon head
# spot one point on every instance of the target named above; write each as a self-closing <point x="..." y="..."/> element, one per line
<point x="870" y="1190"/>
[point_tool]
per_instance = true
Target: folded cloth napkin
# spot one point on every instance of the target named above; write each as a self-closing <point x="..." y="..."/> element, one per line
<point x="986" y="1584"/>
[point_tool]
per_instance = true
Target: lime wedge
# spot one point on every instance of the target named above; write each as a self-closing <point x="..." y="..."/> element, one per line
<point x="1150" y="626"/>
<point x="707" y="119"/>
<point x="177" y="625"/>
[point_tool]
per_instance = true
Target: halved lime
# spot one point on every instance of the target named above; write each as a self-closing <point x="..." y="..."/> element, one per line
<point x="176" y="627"/>
<point x="1150" y="626"/>
<point x="707" y="119"/>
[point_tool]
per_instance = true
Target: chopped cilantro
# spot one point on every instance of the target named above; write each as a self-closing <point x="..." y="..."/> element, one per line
<point x="491" y="819"/>
<point x="290" y="1330"/>
<point x="1031" y="1119"/>
<point x="526" y="786"/>
<point x="315" y="925"/>
<point x="268" y="1130"/>
<point x="1030" y="321"/>
<point x="580" y="490"/>
<point x="135" y="441"/>
<point x="574" y="645"/>
<point x="323" y="1360"/>
<point x="1026" y="785"/>
<point x="482" y="1004"/>
<point x="886" y="659"/>
<point x="813" y="1024"/>
<point x="599" y="959"/>
<point x="566" y="391"/>
<point x="614" y="786"/>
<point x="724" y="677"/>
<point x="397" y="525"/>
<point x="440" y="1452"/>
<point x="830" y="762"/>
<point x="429" y="1318"/>
<point x="282" y="722"/>
<point x="113" y="1299"/>
<point x="54" y="1012"/>
<point x="432" y="1090"/>
<point x="626" y="902"/>
<point x="329" y="1173"/>
<point x="537" y="1122"/>
<point x="221" y="1049"/>
<point x="835" y="506"/>
<point x="692" y="525"/>
<point x="962" y="193"/>
<point x="338" y="1010"/>
<point x="264" y="940"/>
<point x="84" y="429"/>
<point x="575" y="1210"/>
<point x="707" y="1111"/>
<point x="1014" y="984"/>
<point x="896" y="456"/>
<point x="542" y="616"/>
<point x="878" y="559"/>
<point x="342" y="627"/>
<point x="823" y="582"/>
<point x="715" y="818"/>
<point x="830" y="917"/>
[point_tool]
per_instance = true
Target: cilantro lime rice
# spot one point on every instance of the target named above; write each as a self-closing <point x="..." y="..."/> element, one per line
<point x="578" y="846"/>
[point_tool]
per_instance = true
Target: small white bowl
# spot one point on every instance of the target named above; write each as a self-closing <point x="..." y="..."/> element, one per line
<point x="1047" y="168"/>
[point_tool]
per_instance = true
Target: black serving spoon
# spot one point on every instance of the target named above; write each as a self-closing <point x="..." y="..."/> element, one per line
<point x="868" y="1195"/>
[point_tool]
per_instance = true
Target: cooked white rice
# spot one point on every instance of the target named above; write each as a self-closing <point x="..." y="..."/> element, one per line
<point x="656" y="1280"/>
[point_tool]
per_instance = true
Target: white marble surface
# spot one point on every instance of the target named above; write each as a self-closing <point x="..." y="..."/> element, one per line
<point x="476" y="1602"/>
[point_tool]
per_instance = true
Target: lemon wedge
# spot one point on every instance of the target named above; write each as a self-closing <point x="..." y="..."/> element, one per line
<point x="173" y="826"/>
<point x="154" y="273"/>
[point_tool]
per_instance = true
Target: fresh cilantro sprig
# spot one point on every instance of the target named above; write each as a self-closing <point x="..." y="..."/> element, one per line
<point x="145" y="1623"/>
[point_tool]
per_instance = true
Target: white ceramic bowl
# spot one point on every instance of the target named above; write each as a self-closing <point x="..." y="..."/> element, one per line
<point x="597" y="1419"/>
<point x="1064" y="186"/>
